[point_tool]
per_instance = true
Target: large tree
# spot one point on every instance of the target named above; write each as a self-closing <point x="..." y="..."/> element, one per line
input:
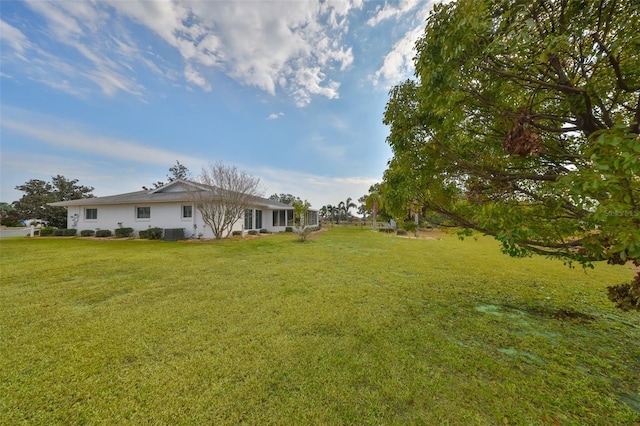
<point x="222" y="196"/>
<point x="523" y="123"/>
<point x="177" y="171"/>
<point x="38" y="193"/>
<point x="285" y="198"/>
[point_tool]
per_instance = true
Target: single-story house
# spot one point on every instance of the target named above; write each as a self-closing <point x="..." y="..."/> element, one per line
<point x="172" y="206"/>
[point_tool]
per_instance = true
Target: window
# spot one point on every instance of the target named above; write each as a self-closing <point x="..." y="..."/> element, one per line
<point x="91" y="214"/>
<point x="282" y="217"/>
<point x="143" y="212"/>
<point x="258" y="219"/>
<point x="248" y="219"/>
<point x="312" y="218"/>
<point x="187" y="212"/>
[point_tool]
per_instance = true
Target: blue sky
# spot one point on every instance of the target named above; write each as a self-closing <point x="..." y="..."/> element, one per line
<point x="113" y="92"/>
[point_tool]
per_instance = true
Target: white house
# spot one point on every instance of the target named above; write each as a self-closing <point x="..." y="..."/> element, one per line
<point x="171" y="207"/>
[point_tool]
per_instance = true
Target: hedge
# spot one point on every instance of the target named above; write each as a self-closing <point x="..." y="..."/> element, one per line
<point x="151" y="234"/>
<point x="87" y="233"/>
<point x="103" y="233"/>
<point x="124" y="232"/>
<point x="45" y="232"/>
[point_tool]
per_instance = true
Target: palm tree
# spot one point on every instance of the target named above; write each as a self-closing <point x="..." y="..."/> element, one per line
<point x="345" y="206"/>
<point x="335" y="213"/>
<point x="374" y="203"/>
<point x="323" y="212"/>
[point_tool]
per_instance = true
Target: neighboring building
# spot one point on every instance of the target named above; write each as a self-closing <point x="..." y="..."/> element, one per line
<point x="171" y="207"/>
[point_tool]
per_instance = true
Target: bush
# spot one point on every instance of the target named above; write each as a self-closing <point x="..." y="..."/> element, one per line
<point x="69" y="232"/>
<point x="87" y="233"/>
<point x="288" y="229"/>
<point x="253" y="232"/>
<point x="401" y="232"/>
<point x="103" y="233"/>
<point x="410" y="226"/>
<point x="264" y="231"/>
<point x="155" y="233"/>
<point x="124" y="232"/>
<point x="58" y="232"/>
<point x="151" y="234"/>
<point x="236" y="233"/>
<point x="45" y="232"/>
<point x="387" y="230"/>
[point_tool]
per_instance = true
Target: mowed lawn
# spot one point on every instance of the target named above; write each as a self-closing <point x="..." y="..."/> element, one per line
<point x="353" y="327"/>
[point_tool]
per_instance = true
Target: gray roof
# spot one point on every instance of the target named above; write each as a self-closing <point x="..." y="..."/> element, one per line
<point x="159" y="195"/>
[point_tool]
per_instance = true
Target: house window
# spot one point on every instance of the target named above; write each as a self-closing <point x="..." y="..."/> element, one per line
<point x="143" y="212"/>
<point x="282" y="217"/>
<point x="187" y="212"/>
<point x="258" y="219"/>
<point x="248" y="219"/>
<point x="311" y="218"/>
<point x="91" y="214"/>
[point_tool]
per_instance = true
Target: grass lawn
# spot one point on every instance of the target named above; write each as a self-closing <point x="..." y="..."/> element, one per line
<point x="353" y="327"/>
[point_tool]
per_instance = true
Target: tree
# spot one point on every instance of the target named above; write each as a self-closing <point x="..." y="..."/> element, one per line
<point x="8" y="215"/>
<point x="333" y="212"/>
<point x="300" y="209"/>
<point x="178" y="171"/>
<point x="344" y="207"/>
<point x="523" y="124"/>
<point x="222" y="195"/>
<point x="373" y="203"/>
<point x="38" y="193"/>
<point x="285" y="198"/>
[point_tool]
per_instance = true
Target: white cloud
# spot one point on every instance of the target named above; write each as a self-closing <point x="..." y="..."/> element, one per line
<point x="275" y="115"/>
<point x="319" y="190"/>
<point x="398" y="64"/>
<point x="74" y="138"/>
<point x="390" y="11"/>
<point x="14" y="37"/>
<point x="273" y="46"/>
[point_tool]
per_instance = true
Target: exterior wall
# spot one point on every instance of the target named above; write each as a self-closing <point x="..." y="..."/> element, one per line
<point x="162" y="215"/>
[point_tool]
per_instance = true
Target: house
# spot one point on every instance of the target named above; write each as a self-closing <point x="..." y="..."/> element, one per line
<point x="171" y="207"/>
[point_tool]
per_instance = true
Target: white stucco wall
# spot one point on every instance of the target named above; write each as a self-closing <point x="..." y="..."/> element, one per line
<point x="163" y="215"/>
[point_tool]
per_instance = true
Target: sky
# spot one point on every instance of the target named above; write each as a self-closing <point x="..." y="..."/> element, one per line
<point x="114" y="92"/>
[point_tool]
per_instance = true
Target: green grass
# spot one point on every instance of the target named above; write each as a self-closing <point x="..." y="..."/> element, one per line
<point x="354" y="327"/>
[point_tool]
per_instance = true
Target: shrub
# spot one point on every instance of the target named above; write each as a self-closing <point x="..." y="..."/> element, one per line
<point x="401" y="232"/>
<point x="288" y="229"/>
<point x="124" y="232"/>
<point x="236" y="233"/>
<point x="87" y="233"/>
<point x="103" y="233"/>
<point x="69" y="232"/>
<point x="264" y="231"/>
<point x="154" y="233"/>
<point x="253" y="232"/>
<point x="151" y="234"/>
<point x="387" y="230"/>
<point x="410" y="226"/>
<point x="45" y="232"/>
